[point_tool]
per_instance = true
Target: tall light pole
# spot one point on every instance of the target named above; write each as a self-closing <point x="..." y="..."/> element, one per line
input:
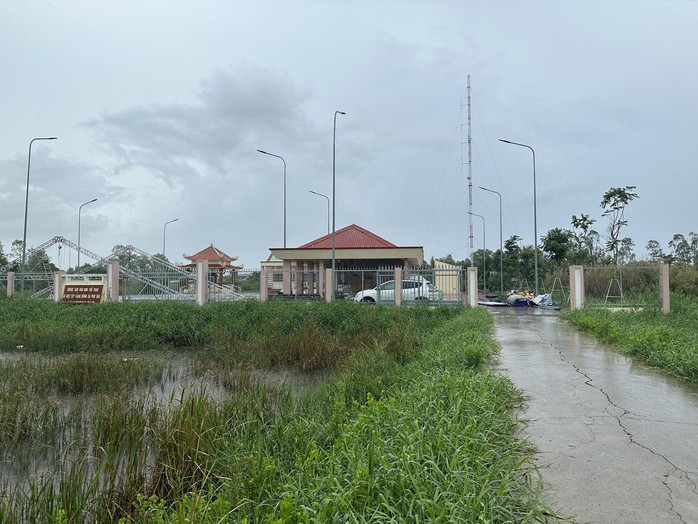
<point x="284" y="161"/>
<point x="79" y="216"/>
<point x="26" y="206"/>
<point x="535" y="223"/>
<point x="164" y="228"/>
<point x="328" y="207"/>
<point x="484" y="253"/>
<point x="501" y="251"/>
<point x="334" y="231"/>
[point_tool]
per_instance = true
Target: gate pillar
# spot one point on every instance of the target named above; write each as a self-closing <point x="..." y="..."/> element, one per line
<point x="472" y="286"/>
<point x="576" y="287"/>
<point x="201" y="282"/>
<point x="58" y="285"/>
<point x="113" y="281"/>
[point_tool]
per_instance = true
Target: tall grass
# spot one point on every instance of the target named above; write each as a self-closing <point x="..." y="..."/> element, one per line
<point x="404" y="426"/>
<point x="669" y="342"/>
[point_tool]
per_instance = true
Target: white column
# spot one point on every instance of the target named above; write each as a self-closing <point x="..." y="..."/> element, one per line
<point x="263" y="285"/>
<point x="10" y="283"/>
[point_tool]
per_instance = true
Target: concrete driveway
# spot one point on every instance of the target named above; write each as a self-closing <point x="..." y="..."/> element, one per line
<point x="617" y="441"/>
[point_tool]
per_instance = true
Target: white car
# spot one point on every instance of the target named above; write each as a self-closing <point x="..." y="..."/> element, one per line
<point x="416" y="288"/>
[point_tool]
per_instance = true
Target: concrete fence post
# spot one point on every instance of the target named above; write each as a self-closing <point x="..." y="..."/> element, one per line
<point x="263" y="285"/>
<point x="201" y="282"/>
<point x="398" y="286"/>
<point x="10" y="283"/>
<point x="329" y="295"/>
<point x="664" y="287"/>
<point x="113" y="281"/>
<point x="576" y="287"/>
<point x="58" y="277"/>
<point x="472" y="286"/>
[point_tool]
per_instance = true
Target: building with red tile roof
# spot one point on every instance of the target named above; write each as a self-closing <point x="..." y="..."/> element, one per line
<point x="356" y="249"/>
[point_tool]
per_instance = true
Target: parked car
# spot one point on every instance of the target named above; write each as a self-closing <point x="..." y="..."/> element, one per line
<point x="416" y="288"/>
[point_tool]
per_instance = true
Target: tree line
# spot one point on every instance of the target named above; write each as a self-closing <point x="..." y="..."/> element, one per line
<point x="581" y="244"/>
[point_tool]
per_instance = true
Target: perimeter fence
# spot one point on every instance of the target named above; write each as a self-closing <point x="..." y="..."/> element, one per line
<point x="627" y="286"/>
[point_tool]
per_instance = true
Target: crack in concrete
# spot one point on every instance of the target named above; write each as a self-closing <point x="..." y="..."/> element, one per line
<point x="674" y="468"/>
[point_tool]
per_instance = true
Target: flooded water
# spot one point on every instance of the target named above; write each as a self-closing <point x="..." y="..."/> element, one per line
<point x="54" y="423"/>
<point x="616" y="439"/>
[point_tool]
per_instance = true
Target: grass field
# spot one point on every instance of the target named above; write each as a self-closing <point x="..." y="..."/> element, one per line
<point x="669" y="342"/>
<point x="405" y="424"/>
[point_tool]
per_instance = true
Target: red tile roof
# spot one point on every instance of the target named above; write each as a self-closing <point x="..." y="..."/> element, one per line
<point x="211" y="253"/>
<point x="350" y="237"/>
<point x="215" y="257"/>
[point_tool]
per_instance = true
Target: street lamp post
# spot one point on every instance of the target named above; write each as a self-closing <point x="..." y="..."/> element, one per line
<point x="484" y="253"/>
<point x="79" y="217"/>
<point x="328" y="207"/>
<point x="501" y="251"/>
<point x="284" y="161"/>
<point x="535" y="223"/>
<point x="26" y="206"/>
<point x="164" y="229"/>
<point x="334" y="231"/>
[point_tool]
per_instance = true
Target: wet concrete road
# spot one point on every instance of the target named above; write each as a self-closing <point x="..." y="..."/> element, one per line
<point x="617" y="441"/>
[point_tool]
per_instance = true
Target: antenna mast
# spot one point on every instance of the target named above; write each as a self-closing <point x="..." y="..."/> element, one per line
<point x="470" y="174"/>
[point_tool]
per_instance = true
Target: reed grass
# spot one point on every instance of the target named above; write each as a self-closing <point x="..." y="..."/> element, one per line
<point x="405" y="425"/>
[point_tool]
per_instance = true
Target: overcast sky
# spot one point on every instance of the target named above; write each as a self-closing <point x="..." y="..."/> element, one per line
<point x="159" y="108"/>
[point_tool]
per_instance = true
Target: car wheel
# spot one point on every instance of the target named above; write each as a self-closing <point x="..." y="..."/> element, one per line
<point x="368" y="300"/>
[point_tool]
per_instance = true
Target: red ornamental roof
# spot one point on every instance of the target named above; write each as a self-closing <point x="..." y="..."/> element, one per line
<point x="350" y="237"/>
<point x="215" y="257"/>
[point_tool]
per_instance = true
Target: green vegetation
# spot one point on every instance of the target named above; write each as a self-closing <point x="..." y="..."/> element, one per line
<point x="669" y="342"/>
<point x="397" y="419"/>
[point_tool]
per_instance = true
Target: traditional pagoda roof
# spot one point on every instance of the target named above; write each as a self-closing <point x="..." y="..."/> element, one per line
<point x="350" y="237"/>
<point x="216" y="259"/>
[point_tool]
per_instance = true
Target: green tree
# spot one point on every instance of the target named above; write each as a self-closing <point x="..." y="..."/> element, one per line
<point x="16" y="250"/>
<point x="613" y="203"/>
<point x="556" y="244"/>
<point x="3" y="257"/>
<point x="626" y="251"/>
<point x="585" y="241"/>
<point x="654" y="249"/>
<point x="511" y="245"/>
<point x="681" y="249"/>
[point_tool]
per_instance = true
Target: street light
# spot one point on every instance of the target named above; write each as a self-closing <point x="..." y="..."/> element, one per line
<point x="284" y="161"/>
<point x="334" y="231"/>
<point x="164" y="228"/>
<point x="328" y="207"/>
<point x="79" y="216"/>
<point x="535" y="223"/>
<point x="26" y="206"/>
<point x="501" y="251"/>
<point x="484" y="253"/>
